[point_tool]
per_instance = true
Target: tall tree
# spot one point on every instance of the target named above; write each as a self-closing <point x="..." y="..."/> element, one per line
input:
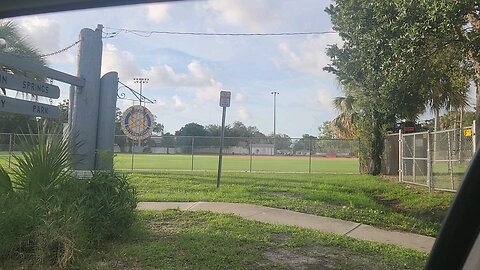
<point x="389" y="60"/>
<point x="343" y="124"/>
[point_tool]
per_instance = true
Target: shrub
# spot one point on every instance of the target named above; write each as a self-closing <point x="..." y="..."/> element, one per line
<point x="111" y="202"/>
<point x="47" y="216"/>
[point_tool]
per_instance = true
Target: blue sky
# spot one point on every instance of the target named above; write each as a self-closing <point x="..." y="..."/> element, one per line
<point x="187" y="72"/>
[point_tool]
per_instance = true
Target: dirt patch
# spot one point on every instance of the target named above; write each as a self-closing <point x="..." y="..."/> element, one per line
<point x="279" y="238"/>
<point x="285" y="257"/>
<point x="319" y="257"/>
<point x="393" y="203"/>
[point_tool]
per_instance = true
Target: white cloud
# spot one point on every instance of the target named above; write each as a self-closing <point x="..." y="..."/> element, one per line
<point x="158" y="13"/>
<point x="325" y="99"/>
<point x="310" y="56"/>
<point x="239" y="97"/>
<point x="178" y="104"/>
<point x="123" y="62"/>
<point x="199" y="80"/>
<point x="256" y="15"/>
<point x="243" y="114"/>
<point x="157" y="107"/>
<point x="43" y="33"/>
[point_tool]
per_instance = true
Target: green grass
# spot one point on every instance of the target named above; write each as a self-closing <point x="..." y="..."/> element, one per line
<point x="201" y="240"/>
<point x="360" y="198"/>
<point x="236" y="163"/>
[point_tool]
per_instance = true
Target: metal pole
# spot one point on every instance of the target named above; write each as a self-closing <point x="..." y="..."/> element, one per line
<point x="474" y="136"/>
<point x="193" y="143"/>
<point x="274" y="93"/>
<point x="414" y="159"/>
<point x="450" y="165"/>
<point x="221" y="147"/>
<point x="400" y="156"/>
<point x="310" y="156"/>
<point x="131" y="146"/>
<point x="10" y="152"/>
<point x="429" y="164"/>
<point x="251" y="156"/>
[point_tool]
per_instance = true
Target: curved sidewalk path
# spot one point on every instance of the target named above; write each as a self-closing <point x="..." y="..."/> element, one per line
<point x="287" y="217"/>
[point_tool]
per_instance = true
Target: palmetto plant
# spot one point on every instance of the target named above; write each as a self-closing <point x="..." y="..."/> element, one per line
<point x="45" y="165"/>
<point x="11" y="41"/>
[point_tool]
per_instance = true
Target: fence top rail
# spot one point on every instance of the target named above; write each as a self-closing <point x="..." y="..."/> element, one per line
<point x="415" y="133"/>
<point x="246" y="138"/>
<point x="450" y="130"/>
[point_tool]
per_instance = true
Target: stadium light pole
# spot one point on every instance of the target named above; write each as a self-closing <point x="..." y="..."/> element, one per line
<point x="274" y="93"/>
<point x="141" y="81"/>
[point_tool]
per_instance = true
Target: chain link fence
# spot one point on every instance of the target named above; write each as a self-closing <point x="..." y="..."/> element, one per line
<point x="436" y="160"/>
<point x="197" y="153"/>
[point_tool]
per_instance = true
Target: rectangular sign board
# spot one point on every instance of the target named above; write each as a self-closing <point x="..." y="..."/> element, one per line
<point x="225" y="97"/>
<point x="13" y="105"/>
<point x="28" y="85"/>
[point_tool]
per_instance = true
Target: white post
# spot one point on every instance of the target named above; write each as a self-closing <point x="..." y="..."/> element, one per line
<point x="400" y="156"/>
<point x="474" y="136"/>
<point x="86" y="99"/>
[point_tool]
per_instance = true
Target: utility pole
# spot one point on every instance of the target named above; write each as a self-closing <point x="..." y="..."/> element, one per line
<point x="274" y="93"/>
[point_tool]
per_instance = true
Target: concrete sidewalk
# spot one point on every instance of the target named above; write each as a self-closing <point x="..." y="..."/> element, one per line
<point x="287" y="217"/>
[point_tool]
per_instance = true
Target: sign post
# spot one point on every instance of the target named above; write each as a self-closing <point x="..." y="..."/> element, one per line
<point x="225" y="97"/>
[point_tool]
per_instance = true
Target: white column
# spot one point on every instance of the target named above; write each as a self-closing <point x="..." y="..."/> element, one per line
<point x="86" y="99"/>
<point x="106" y="121"/>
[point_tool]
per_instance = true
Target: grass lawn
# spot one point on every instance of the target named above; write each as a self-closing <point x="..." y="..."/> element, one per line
<point x="361" y="198"/>
<point x="201" y="240"/>
<point x="237" y="163"/>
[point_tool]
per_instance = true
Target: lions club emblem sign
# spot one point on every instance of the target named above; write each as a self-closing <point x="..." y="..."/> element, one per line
<point x="137" y="122"/>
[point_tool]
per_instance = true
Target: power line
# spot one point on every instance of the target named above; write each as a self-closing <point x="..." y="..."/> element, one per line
<point x="146" y="33"/>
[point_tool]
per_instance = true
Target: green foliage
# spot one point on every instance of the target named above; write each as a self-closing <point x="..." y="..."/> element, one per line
<point x="325" y="131"/>
<point x="111" y="201"/>
<point x="205" y="240"/>
<point x="45" y="164"/>
<point x="48" y="218"/>
<point x="5" y="182"/>
<point x="397" y="57"/>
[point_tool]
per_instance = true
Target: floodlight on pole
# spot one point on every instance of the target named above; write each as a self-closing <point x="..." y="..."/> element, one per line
<point x="141" y="81"/>
<point x="274" y="93"/>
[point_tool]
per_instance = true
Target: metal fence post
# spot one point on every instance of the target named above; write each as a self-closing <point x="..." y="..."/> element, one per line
<point x="251" y="156"/>
<point x="474" y="132"/>
<point x="400" y="156"/>
<point x="132" y="146"/>
<point x="193" y="144"/>
<point x="310" y="155"/>
<point x="429" y="163"/>
<point x="10" y="152"/>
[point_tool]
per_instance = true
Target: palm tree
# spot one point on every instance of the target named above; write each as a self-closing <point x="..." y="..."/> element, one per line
<point x="343" y="124"/>
<point x="12" y="42"/>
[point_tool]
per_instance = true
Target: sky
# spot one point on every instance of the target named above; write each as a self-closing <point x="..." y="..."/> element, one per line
<point x="187" y="73"/>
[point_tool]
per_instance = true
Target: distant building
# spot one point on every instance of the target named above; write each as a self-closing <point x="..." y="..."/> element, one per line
<point x="263" y="149"/>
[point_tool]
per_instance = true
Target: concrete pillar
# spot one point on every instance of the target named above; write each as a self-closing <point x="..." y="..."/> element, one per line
<point x="86" y="99"/>
<point x="106" y="121"/>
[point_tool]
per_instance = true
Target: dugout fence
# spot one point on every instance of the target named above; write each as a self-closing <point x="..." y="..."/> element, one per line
<point x="436" y="160"/>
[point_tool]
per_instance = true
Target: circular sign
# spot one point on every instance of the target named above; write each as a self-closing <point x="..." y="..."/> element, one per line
<point x="137" y="122"/>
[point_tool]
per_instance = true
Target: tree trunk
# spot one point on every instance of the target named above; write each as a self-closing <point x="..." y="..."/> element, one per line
<point x="371" y="145"/>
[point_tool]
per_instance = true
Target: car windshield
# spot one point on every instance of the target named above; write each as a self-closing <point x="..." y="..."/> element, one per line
<point x="234" y="134"/>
